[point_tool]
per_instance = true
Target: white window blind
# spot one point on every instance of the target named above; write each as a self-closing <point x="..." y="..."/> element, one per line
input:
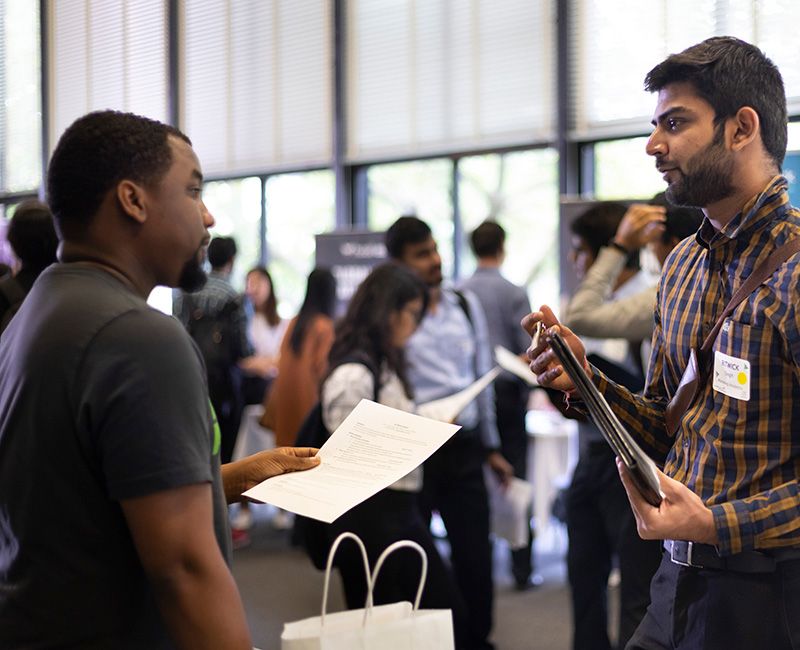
<point x="20" y="96"/>
<point x="614" y="43"/>
<point x="258" y="83"/>
<point x="425" y="76"/>
<point x="107" y="54"/>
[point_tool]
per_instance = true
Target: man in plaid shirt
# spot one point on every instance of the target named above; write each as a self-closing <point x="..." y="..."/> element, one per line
<point x="730" y="518"/>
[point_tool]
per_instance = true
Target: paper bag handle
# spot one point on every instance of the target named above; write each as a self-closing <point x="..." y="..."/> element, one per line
<point x="331" y="554"/>
<point x="403" y="543"/>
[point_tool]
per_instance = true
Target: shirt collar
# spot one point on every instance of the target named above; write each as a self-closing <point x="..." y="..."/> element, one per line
<point x="757" y="211"/>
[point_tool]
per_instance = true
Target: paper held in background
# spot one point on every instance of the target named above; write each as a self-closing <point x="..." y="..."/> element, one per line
<point x="511" y="362"/>
<point x="375" y="446"/>
<point x="447" y="408"/>
<point x="511" y="510"/>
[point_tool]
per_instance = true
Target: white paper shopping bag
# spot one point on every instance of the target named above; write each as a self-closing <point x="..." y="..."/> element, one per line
<point x="398" y="626"/>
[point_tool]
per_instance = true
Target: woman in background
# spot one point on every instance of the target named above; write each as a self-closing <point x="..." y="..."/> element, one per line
<point x="265" y="331"/>
<point x="303" y="360"/>
<point x="370" y="340"/>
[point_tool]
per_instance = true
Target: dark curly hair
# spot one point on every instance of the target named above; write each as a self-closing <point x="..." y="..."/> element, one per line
<point x="406" y="230"/>
<point x="598" y="225"/>
<point x="96" y="152"/>
<point x="32" y="236"/>
<point x="221" y="250"/>
<point x="729" y="74"/>
<point x="365" y="330"/>
<point x="487" y="240"/>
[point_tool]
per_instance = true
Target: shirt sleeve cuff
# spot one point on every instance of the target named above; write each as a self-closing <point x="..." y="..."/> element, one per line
<point x="735" y="532"/>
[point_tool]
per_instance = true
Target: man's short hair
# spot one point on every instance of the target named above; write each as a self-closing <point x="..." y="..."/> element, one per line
<point x="598" y="225"/>
<point x="32" y="235"/>
<point x="404" y="231"/>
<point x="96" y="152"/>
<point x="730" y="74"/>
<point x="221" y="250"/>
<point x="488" y="239"/>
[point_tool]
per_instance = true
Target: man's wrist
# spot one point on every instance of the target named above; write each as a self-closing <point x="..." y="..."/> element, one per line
<point x="620" y="247"/>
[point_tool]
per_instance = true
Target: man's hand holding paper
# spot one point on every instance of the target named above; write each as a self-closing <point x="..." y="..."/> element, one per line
<point x="375" y="446"/>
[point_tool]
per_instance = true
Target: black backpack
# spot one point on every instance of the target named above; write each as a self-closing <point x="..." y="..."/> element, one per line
<point x="313" y="535"/>
<point x="219" y="343"/>
<point x="14" y="295"/>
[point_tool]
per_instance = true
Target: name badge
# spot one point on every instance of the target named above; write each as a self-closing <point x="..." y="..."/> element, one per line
<point x="732" y="376"/>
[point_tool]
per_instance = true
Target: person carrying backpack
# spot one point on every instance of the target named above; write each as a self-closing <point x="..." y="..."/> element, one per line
<point x="33" y="239"/>
<point x="367" y="361"/>
<point x="215" y="319"/>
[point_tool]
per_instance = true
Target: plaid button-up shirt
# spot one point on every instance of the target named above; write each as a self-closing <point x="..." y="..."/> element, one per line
<point x="741" y="457"/>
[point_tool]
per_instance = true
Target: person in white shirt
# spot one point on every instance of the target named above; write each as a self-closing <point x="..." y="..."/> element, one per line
<point x="265" y="330"/>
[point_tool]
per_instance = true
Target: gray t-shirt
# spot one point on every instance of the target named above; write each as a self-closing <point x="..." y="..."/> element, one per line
<point x="101" y="399"/>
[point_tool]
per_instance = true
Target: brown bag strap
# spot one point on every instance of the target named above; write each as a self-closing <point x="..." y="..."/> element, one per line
<point x="764" y="271"/>
<point x="697" y="371"/>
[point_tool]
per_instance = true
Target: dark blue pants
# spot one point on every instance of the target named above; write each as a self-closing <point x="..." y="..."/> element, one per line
<point x="455" y="487"/>
<point x="601" y="525"/>
<point x="697" y="609"/>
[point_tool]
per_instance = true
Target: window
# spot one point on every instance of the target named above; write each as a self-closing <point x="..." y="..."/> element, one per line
<point x="20" y="97"/>
<point x="299" y="206"/>
<point x="447" y="75"/>
<point x="623" y="170"/>
<point x="107" y="54"/>
<point x="606" y="77"/>
<point x="607" y="72"/>
<point x="791" y="164"/>
<point x="258" y="83"/>
<point x="6" y="253"/>
<point x="794" y="137"/>
<point x="520" y="191"/>
<point x="422" y="188"/>
<point x="236" y="208"/>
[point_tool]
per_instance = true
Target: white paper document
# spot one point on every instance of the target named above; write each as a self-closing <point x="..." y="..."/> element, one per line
<point x="511" y="362"/>
<point x="375" y="446"/>
<point x="447" y="408"/>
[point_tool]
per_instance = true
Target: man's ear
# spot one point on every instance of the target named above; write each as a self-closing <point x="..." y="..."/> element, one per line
<point x="132" y="200"/>
<point x="746" y="127"/>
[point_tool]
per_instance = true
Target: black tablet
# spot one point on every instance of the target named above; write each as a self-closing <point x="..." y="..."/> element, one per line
<point x="640" y="466"/>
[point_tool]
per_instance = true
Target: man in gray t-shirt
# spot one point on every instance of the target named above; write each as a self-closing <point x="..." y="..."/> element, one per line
<point x="113" y="530"/>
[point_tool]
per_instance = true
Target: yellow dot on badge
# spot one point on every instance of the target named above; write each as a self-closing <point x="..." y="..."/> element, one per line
<point x="742" y="378"/>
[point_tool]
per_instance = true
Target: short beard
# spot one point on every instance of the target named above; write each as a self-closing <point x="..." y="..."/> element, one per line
<point x="707" y="179"/>
<point x="436" y="282"/>
<point x="192" y="277"/>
